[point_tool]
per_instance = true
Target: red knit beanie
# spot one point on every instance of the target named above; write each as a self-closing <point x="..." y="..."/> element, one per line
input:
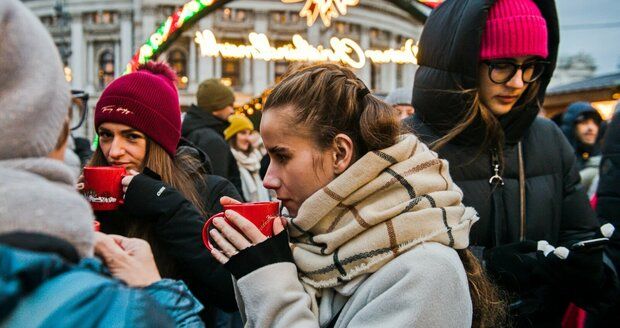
<point x="147" y="100"/>
<point x="514" y="28"/>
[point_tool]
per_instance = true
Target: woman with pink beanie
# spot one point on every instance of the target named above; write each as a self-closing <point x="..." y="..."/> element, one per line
<point x="484" y="69"/>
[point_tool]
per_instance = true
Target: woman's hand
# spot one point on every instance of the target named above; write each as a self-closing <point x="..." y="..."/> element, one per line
<point x="128" y="259"/>
<point x="231" y="240"/>
<point x="80" y="183"/>
<point x="127" y="179"/>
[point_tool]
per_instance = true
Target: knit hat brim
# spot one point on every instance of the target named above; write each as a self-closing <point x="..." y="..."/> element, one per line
<point x="123" y="110"/>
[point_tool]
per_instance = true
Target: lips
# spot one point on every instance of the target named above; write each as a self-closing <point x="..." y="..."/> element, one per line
<point x="118" y="164"/>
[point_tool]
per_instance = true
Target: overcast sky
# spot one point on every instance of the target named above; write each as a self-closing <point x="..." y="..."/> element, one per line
<point x="593" y="27"/>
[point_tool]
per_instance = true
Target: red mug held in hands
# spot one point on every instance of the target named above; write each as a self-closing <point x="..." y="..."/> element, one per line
<point x="103" y="187"/>
<point x="261" y="214"/>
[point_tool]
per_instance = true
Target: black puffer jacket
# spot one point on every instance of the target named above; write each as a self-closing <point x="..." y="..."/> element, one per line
<point x="175" y="228"/>
<point x="555" y="207"/>
<point x="207" y="132"/>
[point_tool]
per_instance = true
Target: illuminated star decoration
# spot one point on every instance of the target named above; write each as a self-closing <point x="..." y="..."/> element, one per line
<point x="327" y="9"/>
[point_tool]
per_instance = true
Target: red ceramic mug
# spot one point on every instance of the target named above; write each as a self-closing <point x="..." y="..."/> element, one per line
<point x="103" y="187"/>
<point x="261" y="214"/>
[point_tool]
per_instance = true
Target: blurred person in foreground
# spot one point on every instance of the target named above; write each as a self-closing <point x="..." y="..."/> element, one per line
<point x="48" y="276"/>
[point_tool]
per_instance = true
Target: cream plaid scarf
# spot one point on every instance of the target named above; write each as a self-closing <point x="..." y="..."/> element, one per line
<point x="386" y="203"/>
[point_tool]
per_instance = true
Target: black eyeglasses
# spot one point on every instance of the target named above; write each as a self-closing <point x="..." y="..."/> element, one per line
<point x="79" y="107"/>
<point x="503" y="70"/>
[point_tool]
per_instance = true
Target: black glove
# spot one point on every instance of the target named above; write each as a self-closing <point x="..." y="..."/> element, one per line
<point x="511" y="266"/>
<point x="577" y="272"/>
<point x="523" y="266"/>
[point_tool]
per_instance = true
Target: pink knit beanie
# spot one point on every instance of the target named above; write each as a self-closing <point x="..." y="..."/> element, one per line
<point x="514" y="28"/>
<point x="146" y="100"/>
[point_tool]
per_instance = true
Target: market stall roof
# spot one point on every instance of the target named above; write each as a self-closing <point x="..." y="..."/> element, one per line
<point x="596" y="83"/>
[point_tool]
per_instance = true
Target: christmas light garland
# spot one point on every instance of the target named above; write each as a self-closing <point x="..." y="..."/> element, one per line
<point x="188" y="13"/>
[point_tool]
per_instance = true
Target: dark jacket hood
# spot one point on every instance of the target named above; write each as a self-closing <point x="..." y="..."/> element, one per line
<point x="187" y="147"/>
<point x="573" y="111"/>
<point x="196" y="118"/>
<point x="448" y="59"/>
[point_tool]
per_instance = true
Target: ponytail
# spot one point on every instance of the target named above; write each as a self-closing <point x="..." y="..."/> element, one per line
<point x="329" y="99"/>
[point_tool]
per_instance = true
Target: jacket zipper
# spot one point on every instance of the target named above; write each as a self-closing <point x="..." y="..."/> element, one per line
<point x="522" y="190"/>
<point x="496" y="178"/>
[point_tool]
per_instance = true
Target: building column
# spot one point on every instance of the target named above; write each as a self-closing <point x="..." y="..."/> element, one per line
<point x="118" y="66"/>
<point x="408" y="75"/>
<point x="364" y="72"/>
<point x="126" y="43"/>
<point x="148" y="23"/>
<point x="77" y="52"/>
<point x="388" y="73"/>
<point x="205" y="64"/>
<point x="314" y="34"/>
<point x="90" y="67"/>
<point x="246" y="75"/>
<point x="191" y="67"/>
<point x="218" y="68"/>
<point x="392" y="67"/>
<point x="271" y="73"/>
<point x="259" y="67"/>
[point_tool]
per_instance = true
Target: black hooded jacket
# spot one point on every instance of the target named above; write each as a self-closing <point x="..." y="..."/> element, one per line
<point x="207" y="133"/>
<point x="176" y="229"/>
<point x="555" y="207"/>
<point x="583" y="152"/>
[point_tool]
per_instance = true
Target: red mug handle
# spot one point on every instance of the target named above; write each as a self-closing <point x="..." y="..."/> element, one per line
<point x="205" y="230"/>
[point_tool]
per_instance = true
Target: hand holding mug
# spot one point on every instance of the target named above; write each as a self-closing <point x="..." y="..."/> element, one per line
<point x="128" y="259"/>
<point x="127" y="179"/>
<point x="231" y="232"/>
<point x="80" y="183"/>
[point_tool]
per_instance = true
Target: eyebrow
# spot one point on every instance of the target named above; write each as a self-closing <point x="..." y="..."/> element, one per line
<point x="126" y="131"/>
<point x="278" y="150"/>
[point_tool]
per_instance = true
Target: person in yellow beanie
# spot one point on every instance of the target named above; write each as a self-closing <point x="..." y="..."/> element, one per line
<point x="239" y="136"/>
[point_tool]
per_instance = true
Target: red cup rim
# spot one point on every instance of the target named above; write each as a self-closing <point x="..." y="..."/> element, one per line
<point x="103" y="168"/>
<point x="251" y="204"/>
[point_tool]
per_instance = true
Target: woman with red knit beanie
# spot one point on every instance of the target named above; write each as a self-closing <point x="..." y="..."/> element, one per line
<point x="168" y="193"/>
<point x="484" y="69"/>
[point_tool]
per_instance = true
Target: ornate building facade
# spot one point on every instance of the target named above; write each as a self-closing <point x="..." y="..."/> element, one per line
<point x="98" y="39"/>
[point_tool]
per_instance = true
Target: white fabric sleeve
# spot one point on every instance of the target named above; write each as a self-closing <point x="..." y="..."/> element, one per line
<point x="272" y="296"/>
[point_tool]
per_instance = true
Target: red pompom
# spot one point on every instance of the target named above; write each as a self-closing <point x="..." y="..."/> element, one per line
<point x="159" y="68"/>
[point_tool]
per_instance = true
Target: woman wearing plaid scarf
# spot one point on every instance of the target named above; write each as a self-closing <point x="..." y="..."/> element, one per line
<point x="378" y="233"/>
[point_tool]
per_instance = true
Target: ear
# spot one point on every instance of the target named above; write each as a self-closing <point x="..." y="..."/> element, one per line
<point x="343" y="153"/>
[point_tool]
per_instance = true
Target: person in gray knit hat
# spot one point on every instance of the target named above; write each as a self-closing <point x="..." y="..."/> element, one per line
<point x="48" y="276"/>
<point x="34" y="105"/>
<point x="400" y="99"/>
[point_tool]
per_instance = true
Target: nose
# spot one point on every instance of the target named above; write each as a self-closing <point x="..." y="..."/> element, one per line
<point x="517" y="80"/>
<point x="271" y="181"/>
<point x="117" y="149"/>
